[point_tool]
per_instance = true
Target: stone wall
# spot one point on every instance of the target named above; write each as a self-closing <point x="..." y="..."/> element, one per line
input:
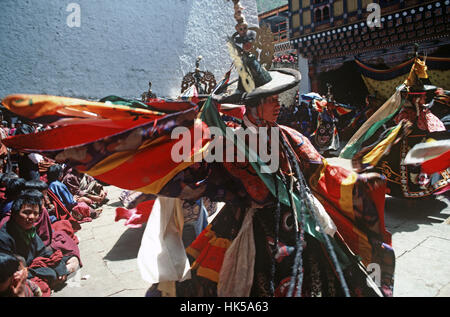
<point x="118" y="48"/>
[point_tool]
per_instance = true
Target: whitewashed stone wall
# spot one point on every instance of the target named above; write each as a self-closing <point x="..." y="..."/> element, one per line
<point x="118" y="48"/>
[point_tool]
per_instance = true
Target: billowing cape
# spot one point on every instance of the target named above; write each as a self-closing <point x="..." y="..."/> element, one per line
<point x="129" y="144"/>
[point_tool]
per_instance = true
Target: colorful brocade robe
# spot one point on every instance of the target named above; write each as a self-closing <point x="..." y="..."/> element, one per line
<point x="128" y="144"/>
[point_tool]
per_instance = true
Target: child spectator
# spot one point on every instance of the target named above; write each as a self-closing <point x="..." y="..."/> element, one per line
<point x="28" y="162"/>
<point x="42" y="187"/>
<point x="59" y="235"/>
<point x="18" y="236"/>
<point x="13" y="278"/>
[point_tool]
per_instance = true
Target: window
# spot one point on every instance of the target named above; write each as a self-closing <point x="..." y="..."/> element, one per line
<point x="318" y="15"/>
<point x="326" y="13"/>
<point x="322" y="14"/>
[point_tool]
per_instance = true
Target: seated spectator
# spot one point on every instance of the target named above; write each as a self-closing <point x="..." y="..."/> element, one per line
<point x="12" y="130"/>
<point x="13" y="188"/>
<point x="58" y="234"/>
<point x="44" y="165"/>
<point x="28" y="162"/>
<point x="14" y="280"/>
<point x="83" y="185"/>
<point x="18" y="236"/>
<point x="42" y="187"/>
<point x="6" y="176"/>
<point x="5" y="128"/>
<point x="3" y="149"/>
<point x="2" y="188"/>
<point x="77" y="206"/>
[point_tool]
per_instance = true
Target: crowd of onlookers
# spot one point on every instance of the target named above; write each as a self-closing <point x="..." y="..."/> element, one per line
<point x="42" y="205"/>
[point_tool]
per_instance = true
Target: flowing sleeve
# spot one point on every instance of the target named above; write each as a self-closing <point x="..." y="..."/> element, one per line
<point x="355" y="202"/>
<point x="123" y="143"/>
<point x="154" y="148"/>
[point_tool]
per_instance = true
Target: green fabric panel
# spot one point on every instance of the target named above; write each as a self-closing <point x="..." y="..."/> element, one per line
<point x="350" y="151"/>
<point x="211" y="117"/>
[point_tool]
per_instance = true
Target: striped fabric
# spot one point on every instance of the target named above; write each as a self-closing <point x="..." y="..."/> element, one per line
<point x="130" y="147"/>
<point x="384" y="81"/>
<point x="118" y="144"/>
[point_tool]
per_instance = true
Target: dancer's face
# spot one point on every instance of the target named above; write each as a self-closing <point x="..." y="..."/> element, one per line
<point x="269" y="109"/>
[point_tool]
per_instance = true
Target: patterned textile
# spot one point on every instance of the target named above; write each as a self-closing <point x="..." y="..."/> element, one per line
<point x="321" y="105"/>
<point x="320" y="277"/>
<point x="410" y="181"/>
<point x="73" y="183"/>
<point x="425" y="120"/>
<point x="130" y="199"/>
<point x="339" y="190"/>
<point x="433" y="156"/>
<point x="108" y="141"/>
<point x="209" y="248"/>
<point x="136" y="217"/>
<point x="135" y="155"/>
<point x="43" y="286"/>
<point x="384" y="81"/>
<point x="326" y="135"/>
<point x="31" y="289"/>
<point x="405" y="180"/>
<point x="385" y="113"/>
<point x="89" y="185"/>
<point x="369" y="156"/>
